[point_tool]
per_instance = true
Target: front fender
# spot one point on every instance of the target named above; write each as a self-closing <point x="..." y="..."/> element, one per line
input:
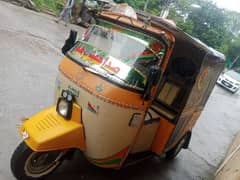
<point x="47" y="131"/>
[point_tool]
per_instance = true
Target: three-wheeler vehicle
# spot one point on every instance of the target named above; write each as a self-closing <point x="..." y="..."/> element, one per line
<point x="128" y="88"/>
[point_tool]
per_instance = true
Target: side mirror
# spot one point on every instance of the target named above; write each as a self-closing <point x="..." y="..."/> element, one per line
<point x="69" y="43"/>
<point x="152" y="80"/>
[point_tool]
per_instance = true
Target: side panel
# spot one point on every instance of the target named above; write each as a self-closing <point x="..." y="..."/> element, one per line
<point x="162" y="136"/>
<point x="107" y="111"/>
<point x="147" y="133"/>
<point x="106" y="125"/>
<point x="200" y="93"/>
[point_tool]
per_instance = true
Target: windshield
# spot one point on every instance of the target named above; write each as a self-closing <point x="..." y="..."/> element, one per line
<point x="234" y="75"/>
<point x="118" y="55"/>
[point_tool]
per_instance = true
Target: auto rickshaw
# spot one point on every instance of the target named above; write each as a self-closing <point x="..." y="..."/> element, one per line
<point x="128" y="88"/>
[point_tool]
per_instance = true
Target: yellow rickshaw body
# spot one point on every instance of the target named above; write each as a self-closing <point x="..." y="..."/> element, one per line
<point x="48" y="131"/>
<point x="108" y="121"/>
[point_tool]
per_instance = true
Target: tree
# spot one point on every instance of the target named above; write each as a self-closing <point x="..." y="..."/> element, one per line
<point x="136" y="4"/>
<point x="179" y="12"/>
<point x="234" y="50"/>
<point x="233" y="22"/>
<point x="202" y="19"/>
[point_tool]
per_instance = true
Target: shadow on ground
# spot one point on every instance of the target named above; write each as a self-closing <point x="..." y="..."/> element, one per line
<point x="80" y="168"/>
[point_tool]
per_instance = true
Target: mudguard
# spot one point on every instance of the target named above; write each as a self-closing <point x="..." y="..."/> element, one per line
<point x="48" y="131"/>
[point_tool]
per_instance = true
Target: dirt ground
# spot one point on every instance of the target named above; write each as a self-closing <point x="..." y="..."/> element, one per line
<point x="30" y="53"/>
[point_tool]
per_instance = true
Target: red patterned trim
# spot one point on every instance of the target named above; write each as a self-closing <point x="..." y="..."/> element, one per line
<point x="112" y="161"/>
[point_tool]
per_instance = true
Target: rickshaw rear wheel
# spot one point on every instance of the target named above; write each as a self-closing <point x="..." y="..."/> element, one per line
<point x="172" y="153"/>
<point x="27" y="164"/>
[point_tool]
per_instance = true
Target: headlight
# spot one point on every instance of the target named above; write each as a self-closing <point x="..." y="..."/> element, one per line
<point x="63" y="107"/>
<point x="64" y="104"/>
<point x="69" y="97"/>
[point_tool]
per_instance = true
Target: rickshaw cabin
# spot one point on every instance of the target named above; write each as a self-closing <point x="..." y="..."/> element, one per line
<point x="186" y="84"/>
<point x="190" y="77"/>
<point x="151" y="108"/>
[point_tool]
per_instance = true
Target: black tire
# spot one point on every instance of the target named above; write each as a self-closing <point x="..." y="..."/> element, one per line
<point x="172" y="153"/>
<point x="24" y="163"/>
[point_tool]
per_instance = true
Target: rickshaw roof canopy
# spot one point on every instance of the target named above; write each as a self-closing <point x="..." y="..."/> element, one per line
<point x="185" y="46"/>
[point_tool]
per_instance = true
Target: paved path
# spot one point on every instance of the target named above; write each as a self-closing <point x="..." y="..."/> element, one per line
<point x="29" y="52"/>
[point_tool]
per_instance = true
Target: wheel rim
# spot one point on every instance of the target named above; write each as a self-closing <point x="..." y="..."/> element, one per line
<point x="42" y="163"/>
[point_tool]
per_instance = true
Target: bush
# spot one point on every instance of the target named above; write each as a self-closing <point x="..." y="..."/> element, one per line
<point x="53" y="6"/>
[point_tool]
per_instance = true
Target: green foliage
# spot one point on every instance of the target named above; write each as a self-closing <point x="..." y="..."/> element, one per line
<point x="234" y="49"/>
<point x="119" y="1"/>
<point x="53" y="6"/>
<point x="209" y="25"/>
<point x="216" y="27"/>
<point x="137" y="4"/>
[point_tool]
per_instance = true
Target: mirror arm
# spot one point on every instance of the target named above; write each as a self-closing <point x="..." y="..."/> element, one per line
<point x="147" y="90"/>
<point x="153" y="76"/>
<point x="69" y="43"/>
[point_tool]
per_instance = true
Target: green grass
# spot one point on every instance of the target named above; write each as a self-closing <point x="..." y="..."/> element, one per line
<point x="52" y="6"/>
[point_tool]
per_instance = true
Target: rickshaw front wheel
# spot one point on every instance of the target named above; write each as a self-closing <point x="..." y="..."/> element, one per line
<point x="27" y="164"/>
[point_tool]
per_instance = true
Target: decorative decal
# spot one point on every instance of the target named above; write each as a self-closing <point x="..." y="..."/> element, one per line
<point x="94" y="56"/>
<point x="89" y="53"/>
<point x="114" y="160"/>
<point x="91" y="108"/>
<point x="80" y="49"/>
<point x="145" y="56"/>
<point x="74" y="91"/>
<point x="108" y="66"/>
<point x="99" y="87"/>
